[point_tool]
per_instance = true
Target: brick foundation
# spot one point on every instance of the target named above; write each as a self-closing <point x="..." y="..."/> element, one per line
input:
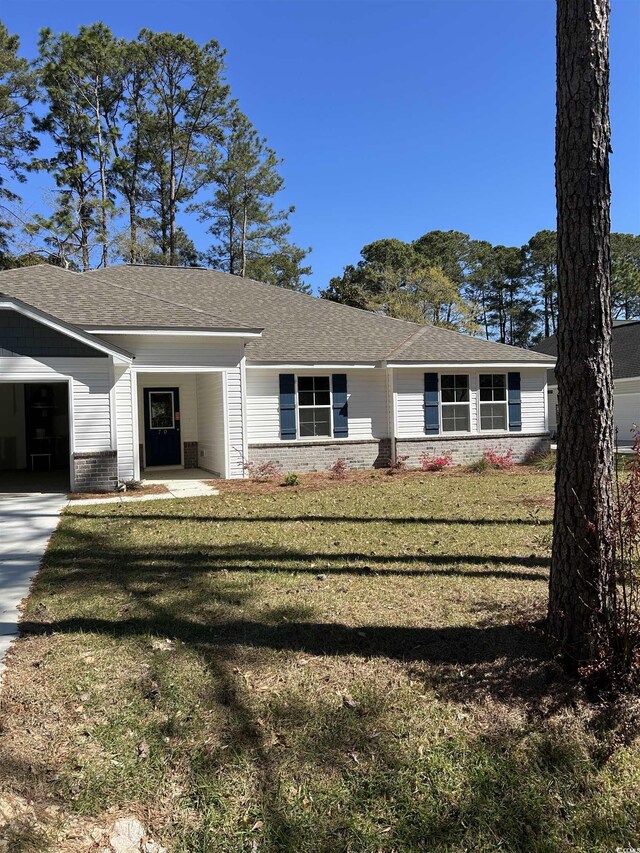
<point x="190" y="454"/>
<point x="321" y="455"/>
<point x="470" y="448"/>
<point x="95" y="471"/>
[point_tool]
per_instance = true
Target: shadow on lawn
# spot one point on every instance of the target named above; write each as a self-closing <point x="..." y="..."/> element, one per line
<point x="460" y="663"/>
<point x="333" y="519"/>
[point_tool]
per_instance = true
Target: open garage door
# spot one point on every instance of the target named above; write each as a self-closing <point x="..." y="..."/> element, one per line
<point x="34" y="437"/>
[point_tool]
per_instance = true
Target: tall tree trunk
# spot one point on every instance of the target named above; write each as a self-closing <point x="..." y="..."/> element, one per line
<point x="579" y="586"/>
<point x="243" y="270"/>
<point x="172" y="216"/>
<point x="133" y="228"/>
<point x="104" y="197"/>
<point x="547" y="326"/>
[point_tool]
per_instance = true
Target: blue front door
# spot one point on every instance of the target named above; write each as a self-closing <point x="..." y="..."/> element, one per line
<point x="162" y="426"/>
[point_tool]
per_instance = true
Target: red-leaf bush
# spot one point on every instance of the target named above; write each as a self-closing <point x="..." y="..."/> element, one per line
<point x="398" y="464"/>
<point x="431" y="462"/>
<point x="499" y="460"/>
<point x="262" y="472"/>
<point x="339" y="469"/>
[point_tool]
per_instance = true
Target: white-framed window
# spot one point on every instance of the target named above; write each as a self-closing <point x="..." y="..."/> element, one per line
<point x="314" y="406"/>
<point x="456" y="402"/>
<point x="493" y="402"/>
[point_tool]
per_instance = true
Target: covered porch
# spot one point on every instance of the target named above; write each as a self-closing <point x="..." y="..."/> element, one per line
<point x="181" y="424"/>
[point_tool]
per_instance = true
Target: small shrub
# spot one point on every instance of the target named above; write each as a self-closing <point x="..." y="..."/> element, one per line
<point x="431" y="462"/>
<point x="339" y="469"/>
<point x="132" y="485"/>
<point x="398" y="464"/>
<point x="478" y="466"/>
<point x="545" y="461"/>
<point x="501" y="461"/>
<point x="292" y="480"/>
<point x="261" y="473"/>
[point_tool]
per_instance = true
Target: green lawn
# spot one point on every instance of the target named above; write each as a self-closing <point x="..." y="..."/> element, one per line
<point x="349" y="669"/>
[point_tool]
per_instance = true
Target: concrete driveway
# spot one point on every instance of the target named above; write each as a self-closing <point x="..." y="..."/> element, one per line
<point x="26" y="524"/>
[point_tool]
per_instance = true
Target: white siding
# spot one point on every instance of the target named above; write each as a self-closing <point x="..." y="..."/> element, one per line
<point x="409" y="391"/>
<point x="173" y="351"/>
<point x="91" y="382"/>
<point x="626" y="408"/>
<point x="235" y="418"/>
<point x="211" y="433"/>
<point x="124" y="423"/>
<point x="533" y="395"/>
<point x="626" y="413"/>
<point x="367" y="396"/>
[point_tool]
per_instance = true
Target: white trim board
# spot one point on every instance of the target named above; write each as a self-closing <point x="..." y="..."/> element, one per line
<point x="204" y="333"/>
<point x="312" y="366"/>
<point x="170" y="368"/>
<point x="471" y="365"/>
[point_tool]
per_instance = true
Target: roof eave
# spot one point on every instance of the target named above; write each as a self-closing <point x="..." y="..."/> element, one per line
<point x="208" y="331"/>
<point x="545" y="363"/>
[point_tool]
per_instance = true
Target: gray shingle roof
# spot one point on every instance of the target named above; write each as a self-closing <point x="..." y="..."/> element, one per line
<point x="436" y="345"/>
<point x="298" y="328"/>
<point x="625" y="349"/>
<point x="102" y="301"/>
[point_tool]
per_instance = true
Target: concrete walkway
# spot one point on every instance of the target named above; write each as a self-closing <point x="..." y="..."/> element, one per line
<point x="26" y="524"/>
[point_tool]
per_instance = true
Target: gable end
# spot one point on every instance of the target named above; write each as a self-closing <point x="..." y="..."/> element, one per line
<point x="23" y="336"/>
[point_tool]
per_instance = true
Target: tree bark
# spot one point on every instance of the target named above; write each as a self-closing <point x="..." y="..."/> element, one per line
<point x="581" y="576"/>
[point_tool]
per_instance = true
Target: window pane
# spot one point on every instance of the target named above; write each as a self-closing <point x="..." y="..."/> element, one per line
<point x="323" y="398"/>
<point x="305" y="383"/>
<point x="305" y="398"/>
<point x="493" y="386"/>
<point x="455" y="419"/>
<point x="455" y="388"/>
<point x="161" y="409"/>
<point x="315" y="422"/>
<point x="321" y="383"/>
<point x="493" y="416"/>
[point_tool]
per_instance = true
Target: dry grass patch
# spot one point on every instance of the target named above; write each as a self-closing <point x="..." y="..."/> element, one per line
<point x="329" y="669"/>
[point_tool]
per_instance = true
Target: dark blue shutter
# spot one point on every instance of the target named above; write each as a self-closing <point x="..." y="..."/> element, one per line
<point x="340" y="405"/>
<point x="515" y="407"/>
<point x="287" y="406"/>
<point x="431" y="404"/>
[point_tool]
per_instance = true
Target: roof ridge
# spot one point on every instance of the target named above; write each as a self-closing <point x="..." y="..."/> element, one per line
<point x="44" y="265"/>
<point x="170" y="301"/>
<point x="277" y="287"/>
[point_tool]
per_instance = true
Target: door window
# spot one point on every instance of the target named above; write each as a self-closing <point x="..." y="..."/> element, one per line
<point x="161" y="410"/>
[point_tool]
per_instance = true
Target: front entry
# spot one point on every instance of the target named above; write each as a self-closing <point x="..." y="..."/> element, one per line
<point x="162" y="426"/>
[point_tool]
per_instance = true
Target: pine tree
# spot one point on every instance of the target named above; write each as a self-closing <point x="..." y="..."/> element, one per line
<point x="17" y="93"/>
<point x="81" y="77"/>
<point x="250" y="234"/>
<point x="185" y="107"/>
<point x="581" y="578"/>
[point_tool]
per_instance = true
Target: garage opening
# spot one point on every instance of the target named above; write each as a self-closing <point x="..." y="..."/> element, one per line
<point x="34" y="437"/>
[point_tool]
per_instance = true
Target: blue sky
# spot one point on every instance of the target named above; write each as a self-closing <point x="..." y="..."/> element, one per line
<point x="393" y="118"/>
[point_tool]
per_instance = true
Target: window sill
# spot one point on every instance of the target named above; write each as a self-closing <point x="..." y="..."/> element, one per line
<point x="471" y="436"/>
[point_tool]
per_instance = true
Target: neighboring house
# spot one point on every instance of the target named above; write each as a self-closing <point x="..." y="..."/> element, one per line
<point x="625" y="353"/>
<point x="115" y="371"/>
